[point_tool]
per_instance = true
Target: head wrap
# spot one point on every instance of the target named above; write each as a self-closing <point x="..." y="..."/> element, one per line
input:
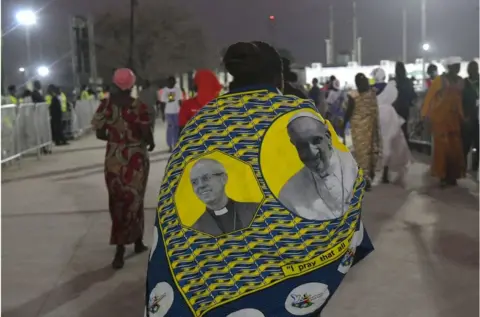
<point x="379" y="75"/>
<point x="208" y="86"/>
<point x="452" y="60"/>
<point x="336" y="84"/>
<point x="124" y="78"/>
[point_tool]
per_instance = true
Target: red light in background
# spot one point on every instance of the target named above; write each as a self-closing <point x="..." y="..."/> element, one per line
<point x="272" y="17"/>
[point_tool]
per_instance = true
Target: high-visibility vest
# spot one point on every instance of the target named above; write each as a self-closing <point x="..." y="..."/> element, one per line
<point x="13" y="99"/>
<point x="63" y="102"/>
<point x="48" y="99"/>
<point x="85" y="95"/>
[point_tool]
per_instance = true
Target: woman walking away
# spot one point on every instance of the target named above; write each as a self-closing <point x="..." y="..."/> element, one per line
<point x="406" y="95"/>
<point x="443" y="108"/>
<point x="395" y="152"/>
<point x="125" y="123"/>
<point x="211" y="202"/>
<point x="172" y="99"/>
<point x="208" y="87"/>
<point x="362" y="113"/>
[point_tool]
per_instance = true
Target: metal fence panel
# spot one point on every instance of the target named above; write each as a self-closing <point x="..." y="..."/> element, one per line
<point x="25" y="129"/>
<point x="82" y="116"/>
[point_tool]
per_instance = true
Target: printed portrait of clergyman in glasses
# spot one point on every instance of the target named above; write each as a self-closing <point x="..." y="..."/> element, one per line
<point x="222" y="214"/>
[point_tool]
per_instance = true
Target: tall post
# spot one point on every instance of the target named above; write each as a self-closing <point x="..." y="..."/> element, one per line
<point x="332" y="34"/>
<point x="328" y="51"/>
<point x="132" y="32"/>
<point x="424" y="39"/>
<point x="28" y="67"/>
<point x="354" y="48"/>
<point x="359" y="51"/>
<point x="404" y="36"/>
<point x="74" y="46"/>
<point x="273" y="31"/>
<point x="91" y="50"/>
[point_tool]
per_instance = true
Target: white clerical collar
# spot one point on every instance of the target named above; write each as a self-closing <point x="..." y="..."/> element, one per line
<point x="221" y="212"/>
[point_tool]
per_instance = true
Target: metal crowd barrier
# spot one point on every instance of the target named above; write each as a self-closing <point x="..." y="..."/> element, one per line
<point x="81" y="117"/>
<point x="26" y="127"/>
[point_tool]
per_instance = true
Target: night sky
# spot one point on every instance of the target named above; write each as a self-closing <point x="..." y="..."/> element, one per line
<point x="301" y="27"/>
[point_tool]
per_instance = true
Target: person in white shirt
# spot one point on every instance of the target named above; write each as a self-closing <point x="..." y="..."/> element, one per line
<point x="328" y="177"/>
<point x="172" y="98"/>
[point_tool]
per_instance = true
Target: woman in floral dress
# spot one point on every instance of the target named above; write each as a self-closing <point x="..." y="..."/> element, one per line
<point x="125" y="124"/>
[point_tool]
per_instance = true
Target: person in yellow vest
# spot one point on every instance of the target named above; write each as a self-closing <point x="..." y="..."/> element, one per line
<point x="104" y="93"/>
<point x="85" y="94"/>
<point x="12" y="95"/>
<point x="54" y="100"/>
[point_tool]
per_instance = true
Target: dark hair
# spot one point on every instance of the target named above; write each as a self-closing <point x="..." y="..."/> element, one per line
<point x="361" y="81"/>
<point x="400" y="71"/>
<point x="472" y="68"/>
<point x="253" y="63"/>
<point x="431" y="68"/>
<point x="12" y="88"/>
<point x="37" y="84"/>
<point x="315" y="81"/>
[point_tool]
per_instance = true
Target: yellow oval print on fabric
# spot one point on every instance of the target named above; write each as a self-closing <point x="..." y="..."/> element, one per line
<point x="215" y="179"/>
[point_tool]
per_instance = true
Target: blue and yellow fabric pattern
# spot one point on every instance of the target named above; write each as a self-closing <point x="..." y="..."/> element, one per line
<point x="271" y="262"/>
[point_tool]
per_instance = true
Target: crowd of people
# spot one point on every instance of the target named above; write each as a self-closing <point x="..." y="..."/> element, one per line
<point x="375" y="116"/>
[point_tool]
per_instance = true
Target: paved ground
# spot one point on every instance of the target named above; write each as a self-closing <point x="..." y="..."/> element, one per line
<point x="56" y="257"/>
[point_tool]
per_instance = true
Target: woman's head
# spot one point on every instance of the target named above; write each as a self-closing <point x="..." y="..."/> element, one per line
<point x="472" y="69"/>
<point x="432" y="70"/>
<point x="361" y="81"/>
<point x="124" y="79"/>
<point x="379" y="75"/>
<point x="207" y="86"/>
<point x="253" y="63"/>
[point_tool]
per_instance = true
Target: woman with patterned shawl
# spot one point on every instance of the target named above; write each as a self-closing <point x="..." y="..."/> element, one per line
<point x="443" y="108"/>
<point x="235" y="146"/>
<point x="362" y="114"/>
<point x="125" y="124"/>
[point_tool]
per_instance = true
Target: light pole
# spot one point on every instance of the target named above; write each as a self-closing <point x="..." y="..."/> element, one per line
<point x="272" y="29"/>
<point x="425" y="46"/>
<point x="27" y="18"/>
<point x="43" y="71"/>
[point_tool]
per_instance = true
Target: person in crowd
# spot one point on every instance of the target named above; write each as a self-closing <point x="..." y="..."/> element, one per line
<point x="470" y="131"/>
<point x="208" y="88"/>
<point x="148" y="95"/>
<point x="172" y="99"/>
<point x="53" y="98"/>
<point x="290" y="78"/>
<point x="395" y="153"/>
<point x="129" y="138"/>
<point x="27" y="96"/>
<point x="317" y="96"/>
<point x="104" y="93"/>
<point x="362" y="114"/>
<point x="37" y="95"/>
<point x="406" y="95"/>
<point x="12" y="97"/>
<point x="335" y="106"/>
<point x="432" y="73"/>
<point x="220" y="135"/>
<point x="85" y="93"/>
<point x="442" y="107"/>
